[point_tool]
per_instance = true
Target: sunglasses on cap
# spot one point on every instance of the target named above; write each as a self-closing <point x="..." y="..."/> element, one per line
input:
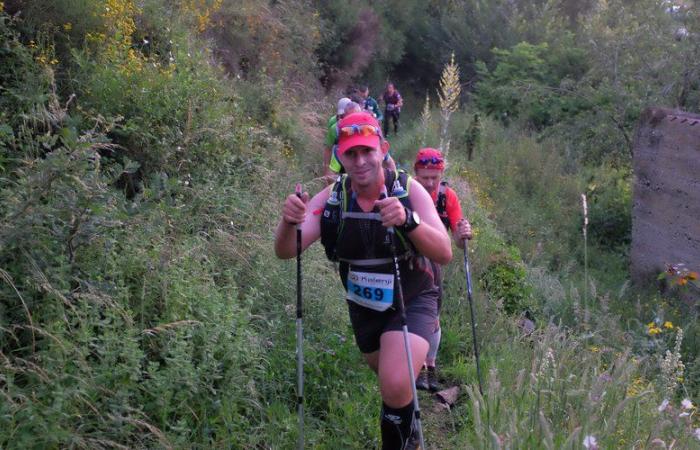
<point x="362" y="130"/>
<point x="431" y="160"/>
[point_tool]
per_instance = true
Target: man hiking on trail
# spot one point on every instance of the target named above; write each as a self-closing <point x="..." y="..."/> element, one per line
<point x="429" y="168"/>
<point x="353" y="218"/>
<point x="392" y="108"/>
<point x="370" y="104"/>
<point x="335" y="167"/>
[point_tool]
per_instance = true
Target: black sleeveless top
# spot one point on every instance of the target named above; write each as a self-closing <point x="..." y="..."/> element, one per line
<point x="365" y="245"/>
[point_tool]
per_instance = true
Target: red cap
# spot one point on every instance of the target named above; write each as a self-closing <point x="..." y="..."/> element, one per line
<point x="429" y="158"/>
<point x="352" y="133"/>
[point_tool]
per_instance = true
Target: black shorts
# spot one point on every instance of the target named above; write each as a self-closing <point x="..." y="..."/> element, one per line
<point x="368" y="325"/>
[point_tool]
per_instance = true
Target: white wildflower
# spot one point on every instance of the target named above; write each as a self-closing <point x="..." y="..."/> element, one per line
<point x="672" y="366"/>
<point x="590" y="442"/>
<point x="697" y="433"/>
<point x="548" y="365"/>
<point x="684" y="414"/>
<point x="662" y="407"/>
<point x="687" y="404"/>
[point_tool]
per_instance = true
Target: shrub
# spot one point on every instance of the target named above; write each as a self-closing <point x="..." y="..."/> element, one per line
<point x="610" y="207"/>
<point x="505" y="280"/>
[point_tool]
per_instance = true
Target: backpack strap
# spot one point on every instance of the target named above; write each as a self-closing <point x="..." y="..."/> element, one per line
<point x="441" y="205"/>
<point x="360" y="215"/>
<point x="442" y="198"/>
<point x="331" y="220"/>
<point x="399" y="186"/>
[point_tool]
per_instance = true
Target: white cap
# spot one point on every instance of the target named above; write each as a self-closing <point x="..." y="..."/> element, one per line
<point x="342" y="103"/>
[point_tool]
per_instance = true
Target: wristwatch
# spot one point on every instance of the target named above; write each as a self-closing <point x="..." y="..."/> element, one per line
<point x="412" y="221"/>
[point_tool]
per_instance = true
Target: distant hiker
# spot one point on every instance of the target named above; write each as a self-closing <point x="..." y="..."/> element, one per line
<point x="351" y="218"/>
<point x="335" y="167"/>
<point x="352" y="108"/>
<point x="356" y="97"/>
<point x="392" y="108"/>
<point x="472" y="136"/>
<point x="429" y="168"/>
<point x="331" y="134"/>
<point x="370" y="104"/>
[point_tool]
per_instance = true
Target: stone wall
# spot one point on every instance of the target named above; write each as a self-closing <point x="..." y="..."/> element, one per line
<point x="666" y="208"/>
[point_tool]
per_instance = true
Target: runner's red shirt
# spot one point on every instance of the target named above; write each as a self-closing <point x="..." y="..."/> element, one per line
<point x="452" y="206"/>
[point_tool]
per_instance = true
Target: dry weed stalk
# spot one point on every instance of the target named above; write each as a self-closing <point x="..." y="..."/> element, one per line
<point x="448" y="94"/>
<point x="8" y="279"/>
<point x="170" y="326"/>
<point x="143" y="424"/>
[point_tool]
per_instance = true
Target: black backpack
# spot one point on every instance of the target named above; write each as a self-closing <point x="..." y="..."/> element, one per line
<point x="397" y="184"/>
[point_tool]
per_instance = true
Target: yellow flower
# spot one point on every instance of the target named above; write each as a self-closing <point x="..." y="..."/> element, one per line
<point x="68" y="26"/>
<point x="594" y="349"/>
<point x="668" y="325"/>
<point x="654" y="331"/>
<point x="637" y="386"/>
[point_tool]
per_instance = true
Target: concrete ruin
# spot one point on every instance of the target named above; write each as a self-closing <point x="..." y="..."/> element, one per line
<point x="666" y="208"/>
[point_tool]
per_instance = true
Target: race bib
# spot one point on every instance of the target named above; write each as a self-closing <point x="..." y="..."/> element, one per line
<point x="390" y="106"/>
<point x="371" y="290"/>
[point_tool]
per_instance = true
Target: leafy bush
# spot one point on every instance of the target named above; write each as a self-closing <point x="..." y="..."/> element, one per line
<point x="610" y="208"/>
<point x="530" y="81"/>
<point x="505" y="280"/>
<point x="25" y="84"/>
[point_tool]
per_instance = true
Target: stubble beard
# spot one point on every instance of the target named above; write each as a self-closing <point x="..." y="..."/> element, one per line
<point x="368" y="179"/>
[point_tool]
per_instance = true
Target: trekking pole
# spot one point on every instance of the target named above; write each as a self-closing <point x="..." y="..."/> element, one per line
<point x="300" y="337"/>
<point x="404" y="327"/>
<point x="471" y="310"/>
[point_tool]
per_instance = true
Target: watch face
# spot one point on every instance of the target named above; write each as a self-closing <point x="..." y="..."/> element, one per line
<point x="416" y="218"/>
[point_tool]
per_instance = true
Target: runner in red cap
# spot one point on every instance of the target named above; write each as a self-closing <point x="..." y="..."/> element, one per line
<point x="352" y="217"/>
<point x="335" y="167"/>
<point x="429" y="168"/>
